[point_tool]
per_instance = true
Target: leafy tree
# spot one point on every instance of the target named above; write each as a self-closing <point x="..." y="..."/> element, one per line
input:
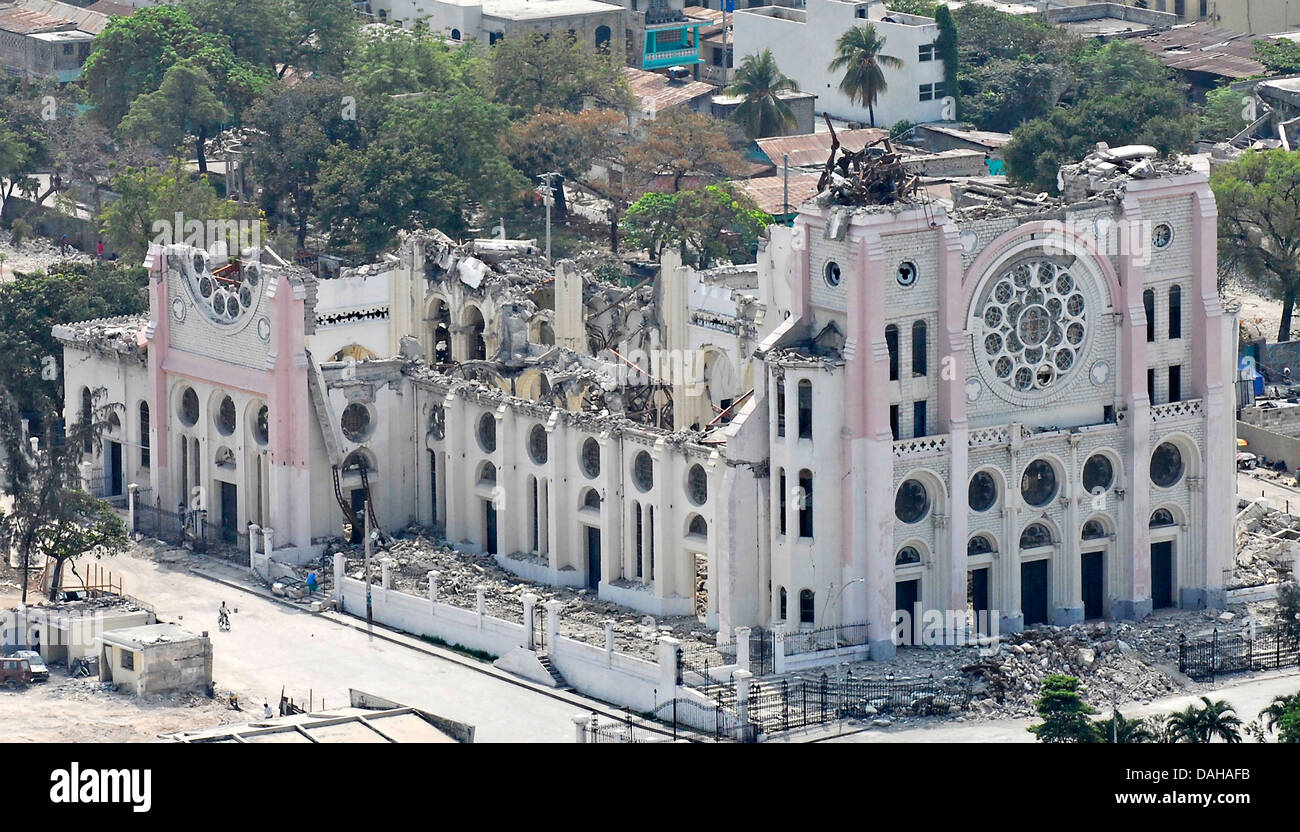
<point x="31" y="360"/>
<point x="1222" y="118"/>
<point x="1277" y="710"/>
<point x="697" y="222"/>
<point x="51" y="517"/>
<point x="295" y="128"/>
<point x="557" y="72"/>
<point x="150" y="199"/>
<point x="1288" y="610"/>
<point x="280" y="35"/>
<point x="1063" y="711"/>
<point x="681" y="144"/>
<point x="946" y="47"/>
<point x="1120" y="730"/>
<point x="858" y="54"/>
<point x="1281" y="56"/>
<point x="390" y="60"/>
<point x="183" y="106"/>
<point x="568" y="144"/>
<point x="762" y="112"/>
<point x="1258" y="197"/>
<point x="1203" y="724"/>
<point x="1288" y="727"/>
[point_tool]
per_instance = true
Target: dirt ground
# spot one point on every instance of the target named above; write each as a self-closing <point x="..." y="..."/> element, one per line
<point x="69" y="710"/>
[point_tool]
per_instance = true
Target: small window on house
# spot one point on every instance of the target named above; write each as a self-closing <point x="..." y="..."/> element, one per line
<point x="805" y="503"/>
<point x="591" y="499"/>
<point x="189" y="408"/>
<point x="698" y="527"/>
<point x="781" y="501"/>
<point x="226" y="417"/>
<point x="697" y="485"/>
<point x="488" y="474"/>
<point x="1175" y="312"/>
<point x="891" y="341"/>
<point x="918" y="348"/>
<point x="1161" y="517"/>
<point x="1149" y="304"/>
<point x="262" y="425"/>
<point x="979" y="545"/>
<point x="1094" y="530"/>
<point x="127" y="659"/>
<point x="805" y="409"/>
<point x="356" y="422"/>
<point x="927" y="92"/>
<point x="1176" y="383"/>
<point x="780" y="407"/>
<point x="807" y="606"/>
<point x="907" y="556"/>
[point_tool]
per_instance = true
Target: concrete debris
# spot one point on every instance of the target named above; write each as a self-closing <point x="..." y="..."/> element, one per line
<point x="1107" y="169"/>
<point x="1268" y="545"/>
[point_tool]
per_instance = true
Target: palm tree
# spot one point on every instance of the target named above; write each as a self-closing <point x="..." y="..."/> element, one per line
<point x="763" y="112"/>
<point x="1277" y="709"/>
<point x="1119" y="729"/>
<point x="1201" y="725"/>
<point x="858" y="53"/>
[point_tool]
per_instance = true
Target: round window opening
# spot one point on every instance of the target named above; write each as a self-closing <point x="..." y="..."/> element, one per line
<point x="906" y="273"/>
<point x="262" y="425"/>
<point x="537" y="447"/>
<point x="226" y="416"/>
<point x="983" y="491"/>
<point x="643" y="471"/>
<point x="1166" y="465"/>
<point x="591" y="458"/>
<point x="487" y="432"/>
<point x="697" y="485"/>
<point x="189" y="408"/>
<point x="832" y="273"/>
<point x="1162" y="235"/>
<point x="356" y="422"/>
<point x="1038" y="485"/>
<point x="912" y="502"/>
<point x="1098" y="473"/>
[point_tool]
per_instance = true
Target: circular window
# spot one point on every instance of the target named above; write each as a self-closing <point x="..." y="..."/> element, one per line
<point x="591" y="458"/>
<point x="697" y="485"/>
<point x="1098" y="473"/>
<point x="1035" y="535"/>
<point x="537" y="447"/>
<point x="226" y="417"/>
<point x="906" y="273"/>
<point x="831" y="273"/>
<point x="912" y="502"/>
<point x="262" y="425"/>
<point x="189" y="414"/>
<point x="437" y="422"/>
<point x="356" y="422"/>
<point x="1166" y="465"/>
<point x="907" y="556"/>
<point x="487" y="432"/>
<point x="643" y="471"/>
<point x="1038" y="485"/>
<point x="983" y="491"/>
<point x="1034" y="318"/>
<point x="1162" y="235"/>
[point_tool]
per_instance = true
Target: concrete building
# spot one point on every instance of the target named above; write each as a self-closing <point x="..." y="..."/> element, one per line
<point x="487" y="21"/>
<point x="159" y="658"/>
<point x="64" y="633"/>
<point x="1256" y="17"/>
<point x="1004" y="404"/>
<point x="803" y="40"/>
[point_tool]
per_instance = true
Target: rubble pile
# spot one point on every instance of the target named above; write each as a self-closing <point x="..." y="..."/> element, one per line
<point x="582" y="616"/>
<point x="1268" y="545"/>
<point x="1107" y="168"/>
<point x="874" y="175"/>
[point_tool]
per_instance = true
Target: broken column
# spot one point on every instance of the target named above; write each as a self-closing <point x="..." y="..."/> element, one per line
<point x="479" y="603"/>
<point x="340" y="564"/>
<point x="268" y="542"/>
<point x="253" y="531"/>
<point x="609" y="641"/>
<point x="553" y="621"/>
<point x="570" y="308"/>
<point x="778" y="645"/>
<point x="132" y="491"/>
<point x="386" y="573"/>
<point x="668" y="670"/>
<point x="433" y="591"/>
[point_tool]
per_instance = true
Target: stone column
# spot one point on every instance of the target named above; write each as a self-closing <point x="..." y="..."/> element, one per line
<point x="1010" y="618"/>
<point x="530" y="605"/>
<point x="778" y="644"/>
<point x="553" y="621"/>
<point x="1066" y="567"/>
<point x="339" y="564"/>
<point x="668" y="666"/>
<point x="479" y="603"/>
<point x="742" y="678"/>
<point x="580" y="728"/>
<point x="742" y="647"/>
<point x="609" y="641"/>
<point x="433" y="591"/>
<point x="253" y="531"/>
<point x="386" y="573"/>
<point x="268" y="542"/>
<point x="131" y="492"/>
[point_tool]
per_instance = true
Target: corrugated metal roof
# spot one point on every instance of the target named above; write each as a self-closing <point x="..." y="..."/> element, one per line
<point x="814" y="148"/>
<point x="769" y="191"/>
<point x="1198" y="47"/>
<point x="656" y="93"/>
<point x="22" y="21"/>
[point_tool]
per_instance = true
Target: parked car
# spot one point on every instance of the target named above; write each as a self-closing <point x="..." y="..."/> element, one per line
<point x="15" y="672"/>
<point x="40" y="673"/>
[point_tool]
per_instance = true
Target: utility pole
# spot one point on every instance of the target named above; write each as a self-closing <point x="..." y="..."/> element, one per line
<point x="547" y="192"/>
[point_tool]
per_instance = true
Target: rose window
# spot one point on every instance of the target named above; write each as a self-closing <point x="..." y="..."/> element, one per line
<point x="1034" y="325"/>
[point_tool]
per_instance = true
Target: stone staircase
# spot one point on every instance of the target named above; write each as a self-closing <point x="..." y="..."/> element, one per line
<point x="560" y="683"/>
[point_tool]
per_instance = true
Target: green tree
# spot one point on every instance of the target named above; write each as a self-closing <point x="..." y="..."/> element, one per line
<point x="1222" y="118"/>
<point x="542" y="72"/>
<point x="681" y="144"/>
<point x="1281" y="56"/>
<point x="946" y="47"/>
<point x="150" y="199"/>
<point x="1288" y="610"/>
<point x="858" y="54"/>
<point x="295" y="127"/>
<point x="50" y="516"/>
<point x="1063" y="711"/>
<point x="390" y="60"/>
<point x="31" y="359"/>
<point x="1281" y="705"/>
<point x="569" y="144"/>
<point x="762" y="111"/>
<point x="1258" y="197"/>
<point x="280" y="35"/>
<point x="705" y="225"/>
<point x="183" y="106"/>
<point x="1117" y="729"/>
<point x="1203" y="724"/>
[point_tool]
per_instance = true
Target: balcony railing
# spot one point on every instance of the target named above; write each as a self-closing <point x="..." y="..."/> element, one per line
<point x="1188" y="408"/>
<point x="921" y="446"/>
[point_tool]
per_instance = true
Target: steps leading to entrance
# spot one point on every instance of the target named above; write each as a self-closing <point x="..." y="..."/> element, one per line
<point x="560" y="684"/>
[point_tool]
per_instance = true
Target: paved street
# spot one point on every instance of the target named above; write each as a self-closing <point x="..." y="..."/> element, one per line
<point x="1248" y="695"/>
<point x="270" y="645"/>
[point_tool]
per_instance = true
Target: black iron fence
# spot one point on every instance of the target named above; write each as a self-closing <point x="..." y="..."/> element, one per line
<point x="690" y="720"/>
<point x="626" y="730"/>
<point x="192" y="529"/>
<point x="787" y="704"/>
<point x="825" y="638"/>
<point x="1266" y="648"/>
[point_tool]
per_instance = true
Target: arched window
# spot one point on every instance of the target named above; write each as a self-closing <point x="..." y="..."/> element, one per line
<point x="1166" y="465"/>
<point x="477" y="342"/>
<point x="980" y="544"/>
<point x="487" y="432"/>
<point x="1161" y="517"/>
<point x="1094" y="530"/>
<point x="87" y="416"/>
<point x="591" y="499"/>
<point x="1149" y="304"/>
<point x="780" y="407"/>
<point x="907" y="556"/>
<point x="602" y="37"/>
<point x="805" y="409"/>
<point x="144" y="434"/>
<point x="782" y="604"/>
<point x="1035" y="535"/>
<point x="807" y="607"/>
<point x="780" y="484"/>
<point x="918" y="348"/>
<point x="488" y="474"/>
<point x="1175" y="312"/>
<point x="698" y="526"/>
<point x="455" y="34"/>
<point x="805" y="503"/>
<point x="891" y="341"/>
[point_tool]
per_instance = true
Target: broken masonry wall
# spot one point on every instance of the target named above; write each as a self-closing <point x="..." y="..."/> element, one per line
<point x="167" y="667"/>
